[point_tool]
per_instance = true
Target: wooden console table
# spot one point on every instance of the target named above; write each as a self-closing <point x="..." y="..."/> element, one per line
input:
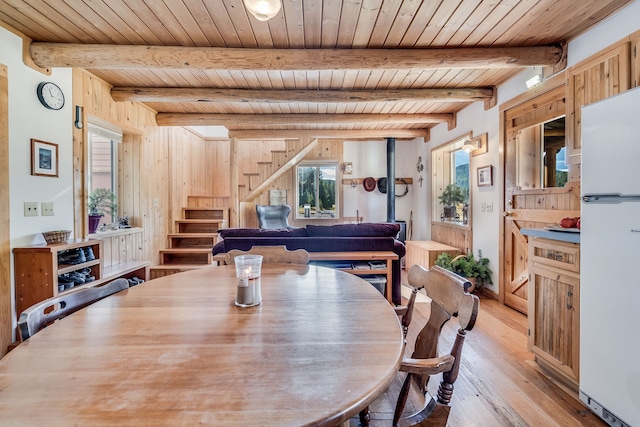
<point x="425" y="252"/>
<point x="386" y="256"/>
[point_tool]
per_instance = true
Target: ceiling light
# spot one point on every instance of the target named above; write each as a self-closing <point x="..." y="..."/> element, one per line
<point x="263" y="10"/>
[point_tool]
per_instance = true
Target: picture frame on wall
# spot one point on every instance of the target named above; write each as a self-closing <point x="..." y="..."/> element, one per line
<point x="44" y="158"/>
<point x="485" y="176"/>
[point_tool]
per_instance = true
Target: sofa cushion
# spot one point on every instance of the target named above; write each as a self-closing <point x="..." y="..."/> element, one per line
<point x="262" y="232"/>
<point x="354" y="230"/>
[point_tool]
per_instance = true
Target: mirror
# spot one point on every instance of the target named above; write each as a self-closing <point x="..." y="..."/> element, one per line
<point x="541" y="155"/>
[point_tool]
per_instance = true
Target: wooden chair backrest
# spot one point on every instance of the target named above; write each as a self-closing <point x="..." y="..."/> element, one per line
<point x="39" y="315"/>
<point x="448" y="298"/>
<point x="271" y="255"/>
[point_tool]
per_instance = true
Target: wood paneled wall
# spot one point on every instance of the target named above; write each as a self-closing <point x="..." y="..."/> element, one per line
<point x="159" y="167"/>
<point x="5" y="247"/>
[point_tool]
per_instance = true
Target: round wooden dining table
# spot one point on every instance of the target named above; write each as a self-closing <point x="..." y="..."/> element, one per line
<point x="177" y="351"/>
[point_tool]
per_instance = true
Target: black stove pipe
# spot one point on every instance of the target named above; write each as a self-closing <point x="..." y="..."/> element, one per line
<point x="391" y="180"/>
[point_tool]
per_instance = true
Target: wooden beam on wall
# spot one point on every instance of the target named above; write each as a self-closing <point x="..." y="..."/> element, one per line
<point x="269" y="96"/>
<point x="256" y="120"/>
<point x="6" y="318"/>
<point x="214" y="58"/>
<point x="351" y="134"/>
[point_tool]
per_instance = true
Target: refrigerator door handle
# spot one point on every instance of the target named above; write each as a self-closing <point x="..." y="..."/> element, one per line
<point x="610" y="198"/>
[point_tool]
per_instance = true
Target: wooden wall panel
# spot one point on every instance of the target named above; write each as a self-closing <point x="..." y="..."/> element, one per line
<point x="591" y="80"/>
<point x="458" y="237"/>
<point x="5" y="249"/>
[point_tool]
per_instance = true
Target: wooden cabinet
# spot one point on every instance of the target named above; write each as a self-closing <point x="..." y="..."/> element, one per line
<point x="426" y="252"/>
<point x="554" y="306"/>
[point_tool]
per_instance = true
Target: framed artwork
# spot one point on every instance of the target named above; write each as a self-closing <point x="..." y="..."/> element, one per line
<point x="277" y="197"/>
<point x="485" y="176"/>
<point x="44" y="158"/>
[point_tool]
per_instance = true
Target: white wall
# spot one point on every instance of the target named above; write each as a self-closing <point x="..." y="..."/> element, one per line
<point x="30" y="119"/>
<point x="369" y="159"/>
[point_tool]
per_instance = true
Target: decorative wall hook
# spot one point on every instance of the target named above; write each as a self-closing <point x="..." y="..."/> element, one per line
<point x="420" y="166"/>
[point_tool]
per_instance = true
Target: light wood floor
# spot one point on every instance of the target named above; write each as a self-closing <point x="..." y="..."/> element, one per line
<point x="499" y="384"/>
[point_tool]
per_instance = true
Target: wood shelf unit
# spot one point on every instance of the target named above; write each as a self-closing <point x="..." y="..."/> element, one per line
<point x="36" y="270"/>
<point x="385" y="256"/>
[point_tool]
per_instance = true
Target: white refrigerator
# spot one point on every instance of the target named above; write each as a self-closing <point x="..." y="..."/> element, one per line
<point x="610" y="259"/>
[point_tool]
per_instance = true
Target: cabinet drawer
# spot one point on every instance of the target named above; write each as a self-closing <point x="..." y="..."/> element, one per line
<point x="561" y="255"/>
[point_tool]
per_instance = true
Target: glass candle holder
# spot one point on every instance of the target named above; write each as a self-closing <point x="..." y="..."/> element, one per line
<point x="248" y="273"/>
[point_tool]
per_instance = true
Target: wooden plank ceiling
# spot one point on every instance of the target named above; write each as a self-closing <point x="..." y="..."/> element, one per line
<point x="320" y="65"/>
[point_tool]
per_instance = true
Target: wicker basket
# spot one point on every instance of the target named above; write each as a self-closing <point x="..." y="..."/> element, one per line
<point x="58" y="236"/>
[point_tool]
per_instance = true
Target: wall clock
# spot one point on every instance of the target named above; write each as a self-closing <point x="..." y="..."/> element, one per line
<point x="50" y="95"/>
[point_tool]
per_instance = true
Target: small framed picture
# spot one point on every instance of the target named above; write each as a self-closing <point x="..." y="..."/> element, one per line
<point x="44" y="158"/>
<point x="485" y="176"/>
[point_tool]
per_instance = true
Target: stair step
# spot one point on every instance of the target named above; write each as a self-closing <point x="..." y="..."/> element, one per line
<point x="199" y="225"/>
<point x="166" y="270"/>
<point x="192" y="240"/>
<point x="183" y="256"/>
<point x="205" y="213"/>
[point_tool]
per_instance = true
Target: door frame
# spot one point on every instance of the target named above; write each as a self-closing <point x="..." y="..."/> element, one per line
<point x="519" y="101"/>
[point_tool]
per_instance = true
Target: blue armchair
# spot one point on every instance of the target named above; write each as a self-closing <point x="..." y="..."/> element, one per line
<point x="273" y="217"/>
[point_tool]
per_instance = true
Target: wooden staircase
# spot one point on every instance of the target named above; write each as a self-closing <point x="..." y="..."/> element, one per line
<point x="190" y="246"/>
<point x="256" y="183"/>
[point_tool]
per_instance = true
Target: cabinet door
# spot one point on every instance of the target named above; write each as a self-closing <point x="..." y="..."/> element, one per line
<point x="554" y="320"/>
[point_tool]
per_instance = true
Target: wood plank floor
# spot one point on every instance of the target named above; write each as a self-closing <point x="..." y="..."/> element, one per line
<point x="500" y="384"/>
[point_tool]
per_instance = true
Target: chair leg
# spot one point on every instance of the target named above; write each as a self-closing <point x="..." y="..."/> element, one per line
<point x="365" y="417"/>
<point x="402" y="399"/>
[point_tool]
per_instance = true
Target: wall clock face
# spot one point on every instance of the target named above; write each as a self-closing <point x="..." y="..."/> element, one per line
<point x="50" y="95"/>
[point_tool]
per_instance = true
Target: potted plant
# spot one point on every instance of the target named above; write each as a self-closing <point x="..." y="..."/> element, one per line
<point x="102" y="201"/>
<point x="452" y="195"/>
<point x="476" y="270"/>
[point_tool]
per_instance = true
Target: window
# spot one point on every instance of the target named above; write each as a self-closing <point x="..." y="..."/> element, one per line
<point x="103" y="162"/>
<point x="316" y="190"/>
<point x="451" y="187"/>
<point x="541" y="153"/>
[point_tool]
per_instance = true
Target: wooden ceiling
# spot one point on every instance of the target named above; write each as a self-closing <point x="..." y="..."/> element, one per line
<point x="330" y="67"/>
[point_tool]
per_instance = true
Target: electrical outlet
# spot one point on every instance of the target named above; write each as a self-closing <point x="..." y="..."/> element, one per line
<point x="47" y="208"/>
<point x="31" y="209"/>
<point x="489" y="206"/>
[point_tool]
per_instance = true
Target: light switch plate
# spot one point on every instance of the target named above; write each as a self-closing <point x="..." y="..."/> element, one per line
<point x="31" y="209"/>
<point x="47" y="208"/>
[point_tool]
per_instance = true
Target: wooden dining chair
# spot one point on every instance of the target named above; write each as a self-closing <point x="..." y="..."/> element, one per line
<point x="271" y="255"/>
<point x="448" y="299"/>
<point x="39" y="315"/>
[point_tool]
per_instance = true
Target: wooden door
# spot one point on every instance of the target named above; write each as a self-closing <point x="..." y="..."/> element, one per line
<point x="526" y="204"/>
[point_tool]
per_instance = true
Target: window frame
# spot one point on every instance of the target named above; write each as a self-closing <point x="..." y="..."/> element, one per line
<point x="114" y="136"/>
<point x="298" y="211"/>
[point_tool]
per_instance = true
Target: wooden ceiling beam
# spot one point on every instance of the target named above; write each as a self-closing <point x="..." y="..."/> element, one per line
<point x="254" y="120"/>
<point x="354" y="134"/>
<point x="214" y="58"/>
<point x="203" y="95"/>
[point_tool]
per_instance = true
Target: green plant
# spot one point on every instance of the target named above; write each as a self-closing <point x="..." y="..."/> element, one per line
<point x="467" y="266"/>
<point x="102" y="201"/>
<point x="451" y="195"/>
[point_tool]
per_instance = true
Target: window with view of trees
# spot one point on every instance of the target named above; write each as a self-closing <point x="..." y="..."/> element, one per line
<point x="316" y="190"/>
<point x="451" y="181"/>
